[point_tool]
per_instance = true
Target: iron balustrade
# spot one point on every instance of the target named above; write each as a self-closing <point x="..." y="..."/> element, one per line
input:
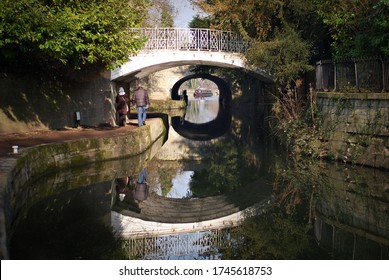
<point x="191" y="39"/>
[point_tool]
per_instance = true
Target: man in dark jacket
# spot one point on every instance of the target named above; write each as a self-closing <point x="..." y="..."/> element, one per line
<point x="141" y="100"/>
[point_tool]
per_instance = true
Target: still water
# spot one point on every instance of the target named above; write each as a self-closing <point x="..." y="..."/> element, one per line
<point x="291" y="210"/>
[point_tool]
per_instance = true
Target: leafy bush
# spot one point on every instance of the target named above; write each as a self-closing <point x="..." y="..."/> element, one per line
<point x="74" y="33"/>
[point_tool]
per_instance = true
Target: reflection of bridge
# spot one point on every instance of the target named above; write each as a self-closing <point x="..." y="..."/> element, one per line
<point x="171" y="47"/>
<point x="164" y="216"/>
<point x="200" y="244"/>
<point x="206" y="130"/>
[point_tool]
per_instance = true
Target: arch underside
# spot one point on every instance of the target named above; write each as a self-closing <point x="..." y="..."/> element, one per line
<point x="172" y="210"/>
<point x="147" y="63"/>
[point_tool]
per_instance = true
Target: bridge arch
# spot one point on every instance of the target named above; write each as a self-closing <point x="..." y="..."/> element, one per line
<point x="209" y="130"/>
<point x="224" y="89"/>
<point x="148" y="62"/>
<point x="161" y="215"/>
<point x="205" y="131"/>
<point x="171" y="47"/>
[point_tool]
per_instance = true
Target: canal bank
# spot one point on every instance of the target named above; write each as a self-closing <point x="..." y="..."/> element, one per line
<point x="93" y="145"/>
<point x="355" y="127"/>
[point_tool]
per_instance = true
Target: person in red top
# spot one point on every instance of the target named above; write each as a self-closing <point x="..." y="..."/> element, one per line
<point x="122" y="107"/>
<point x="141" y="100"/>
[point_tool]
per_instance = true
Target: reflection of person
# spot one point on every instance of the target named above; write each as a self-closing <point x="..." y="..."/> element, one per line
<point x="122" y="106"/>
<point x="122" y="187"/>
<point x="125" y="192"/>
<point x="141" y="100"/>
<point x="185" y="96"/>
<point x="141" y="188"/>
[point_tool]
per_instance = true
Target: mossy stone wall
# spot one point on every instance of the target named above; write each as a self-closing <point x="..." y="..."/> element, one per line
<point x="356" y="127"/>
<point x="31" y="164"/>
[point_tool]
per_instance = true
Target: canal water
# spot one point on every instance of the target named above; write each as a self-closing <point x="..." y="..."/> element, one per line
<point x="310" y="209"/>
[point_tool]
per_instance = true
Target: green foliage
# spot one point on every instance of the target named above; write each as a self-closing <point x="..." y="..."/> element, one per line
<point x="166" y="176"/>
<point x="294" y="124"/>
<point x="200" y="22"/>
<point x="167" y="16"/>
<point x="229" y="168"/>
<point x="161" y="14"/>
<point x="273" y="237"/>
<point x="285" y="56"/>
<point x="221" y="174"/>
<point x="285" y="231"/>
<point x="283" y="34"/>
<point x="73" y="33"/>
<point x="358" y="28"/>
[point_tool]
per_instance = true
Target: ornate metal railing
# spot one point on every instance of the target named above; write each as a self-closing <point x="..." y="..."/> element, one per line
<point x="205" y="243"/>
<point x="194" y="39"/>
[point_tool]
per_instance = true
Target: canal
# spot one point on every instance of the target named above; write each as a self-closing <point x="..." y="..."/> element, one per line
<point x="215" y="165"/>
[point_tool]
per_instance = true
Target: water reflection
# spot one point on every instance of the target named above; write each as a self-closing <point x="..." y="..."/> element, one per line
<point x="181" y="185"/>
<point x="342" y="207"/>
<point x="188" y="246"/>
<point x="205" y="119"/>
<point x="351" y="218"/>
<point x="202" y="110"/>
<point x="72" y="224"/>
<point x="317" y="210"/>
<point x="133" y="194"/>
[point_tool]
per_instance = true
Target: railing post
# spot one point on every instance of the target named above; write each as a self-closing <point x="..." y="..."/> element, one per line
<point x="321" y="76"/>
<point x="383" y="74"/>
<point x="356" y="74"/>
<point x="335" y="77"/>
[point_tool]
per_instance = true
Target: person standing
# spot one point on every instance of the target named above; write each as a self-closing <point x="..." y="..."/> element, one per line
<point x="141" y="100"/>
<point x="122" y="106"/>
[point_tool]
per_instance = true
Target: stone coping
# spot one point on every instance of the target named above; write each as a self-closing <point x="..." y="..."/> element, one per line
<point x="355" y="95"/>
<point x="36" y="161"/>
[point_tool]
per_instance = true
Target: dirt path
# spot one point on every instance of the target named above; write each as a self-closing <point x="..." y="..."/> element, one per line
<point x="34" y="138"/>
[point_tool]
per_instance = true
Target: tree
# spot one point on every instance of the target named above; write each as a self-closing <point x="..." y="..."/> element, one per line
<point x="161" y="14"/>
<point x="358" y="28"/>
<point x="221" y="174"/>
<point x="73" y="33"/>
<point x="282" y="34"/>
<point x="199" y="22"/>
<point x="285" y="56"/>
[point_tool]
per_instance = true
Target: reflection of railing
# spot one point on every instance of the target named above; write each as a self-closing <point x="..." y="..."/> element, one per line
<point x="191" y="39"/>
<point x="185" y="244"/>
<point x="336" y="237"/>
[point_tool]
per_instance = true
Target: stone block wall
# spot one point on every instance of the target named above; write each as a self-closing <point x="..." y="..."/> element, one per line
<point x="36" y="162"/>
<point x="36" y="102"/>
<point x="356" y="127"/>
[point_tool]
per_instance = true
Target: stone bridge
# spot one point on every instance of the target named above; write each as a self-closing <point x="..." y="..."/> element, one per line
<point x="171" y="47"/>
